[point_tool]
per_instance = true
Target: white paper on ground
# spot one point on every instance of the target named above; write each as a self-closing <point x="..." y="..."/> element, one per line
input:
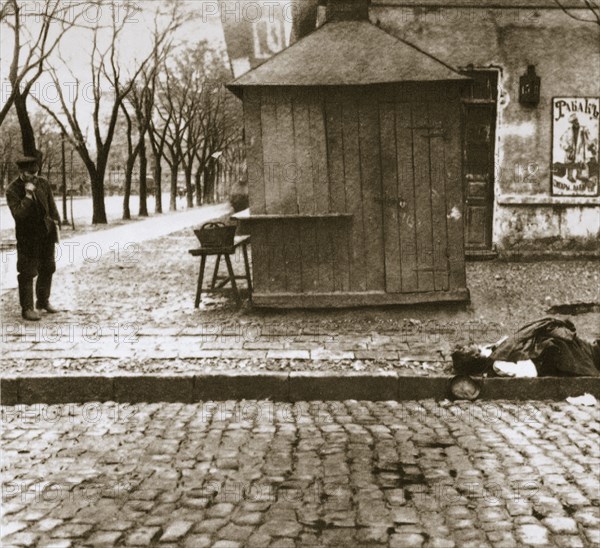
<point x="520" y="369"/>
<point x="586" y="399"/>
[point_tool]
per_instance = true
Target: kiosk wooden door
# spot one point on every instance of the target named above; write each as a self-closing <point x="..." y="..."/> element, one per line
<point x="420" y="150"/>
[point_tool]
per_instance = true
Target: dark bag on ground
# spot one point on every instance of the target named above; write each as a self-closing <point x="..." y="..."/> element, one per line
<point x="553" y="345"/>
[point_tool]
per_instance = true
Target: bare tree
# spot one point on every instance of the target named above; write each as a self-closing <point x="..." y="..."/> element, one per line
<point x="141" y="100"/>
<point x="36" y="36"/>
<point x="143" y="103"/>
<point x="105" y="71"/>
<point x="190" y="147"/>
<point x="157" y="132"/>
<point x="222" y="128"/>
<point x="158" y="138"/>
<point x="209" y="112"/>
<point x="132" y="154"/>
<point x="173" y="99"/>
<point x="193" y="76"/>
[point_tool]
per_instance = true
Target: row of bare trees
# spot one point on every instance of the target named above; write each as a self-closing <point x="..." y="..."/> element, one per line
<point x="197" y="120"/>
<point x="171" y="102"/>
<point x="180" y="113"/>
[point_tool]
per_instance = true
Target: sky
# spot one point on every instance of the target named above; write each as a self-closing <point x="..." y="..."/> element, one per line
<point x="72" y="59"/>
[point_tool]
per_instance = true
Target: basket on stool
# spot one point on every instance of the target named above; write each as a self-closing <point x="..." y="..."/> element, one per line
<point x="216" y="234"/>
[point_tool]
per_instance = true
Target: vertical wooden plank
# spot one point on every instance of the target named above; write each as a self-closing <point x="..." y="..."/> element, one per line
<point x="437" y="145"/>
<point x="406" y="196"/>
<point x="335" y="150"/>
<point x="271" y="159"/>
<point x="318" y="151"/>
<point x="370" y="169"/>
<point x="350" y="136"/>
<point x="326" y="255"/>
<point x="276" y="252"/>
<point x="389" y="176"/>
<point x="259" y="245"/>
<point x="254" y="153"/>
<point x="309" y="255"/>
<point x="287" y="161"/>
<point x="337" y="189"/>
<point x="454" y="197"/>
<point x="303" y="151"/>
<point x="423" y="196"/>
<point x="341" y="273"/>
<point x="290" y="237"/>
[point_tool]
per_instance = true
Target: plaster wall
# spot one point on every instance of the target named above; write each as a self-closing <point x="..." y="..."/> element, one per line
<point x="566" y="55"/>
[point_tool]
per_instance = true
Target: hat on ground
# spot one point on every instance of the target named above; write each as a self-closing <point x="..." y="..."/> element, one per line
<point x="463" y="387"/>
<point x="27" y="161"/>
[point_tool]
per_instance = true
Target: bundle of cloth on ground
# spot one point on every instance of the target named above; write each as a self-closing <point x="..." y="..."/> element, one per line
<point x="545" y="347"/>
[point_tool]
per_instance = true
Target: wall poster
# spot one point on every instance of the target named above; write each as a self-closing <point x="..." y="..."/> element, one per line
<point x="575" y="136"/>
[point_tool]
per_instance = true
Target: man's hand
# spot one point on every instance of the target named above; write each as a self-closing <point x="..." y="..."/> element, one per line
<point x="29" y="187"/>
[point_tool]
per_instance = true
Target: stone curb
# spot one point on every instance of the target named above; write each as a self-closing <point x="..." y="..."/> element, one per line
<point x="286" y="387"/>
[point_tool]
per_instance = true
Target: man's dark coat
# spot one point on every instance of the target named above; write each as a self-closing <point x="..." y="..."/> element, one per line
<point x="34" y="219"/>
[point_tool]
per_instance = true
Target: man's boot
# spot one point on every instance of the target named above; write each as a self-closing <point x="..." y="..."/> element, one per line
<point x="42" y="290"/>
<point x="26" y="299"/>
<point x="31" y="315"/>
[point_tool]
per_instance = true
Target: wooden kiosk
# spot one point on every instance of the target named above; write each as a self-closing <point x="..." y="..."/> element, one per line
<point x="353" y="141"/>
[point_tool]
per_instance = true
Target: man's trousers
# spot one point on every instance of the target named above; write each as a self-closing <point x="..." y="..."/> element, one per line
<point x="34" y="260"/>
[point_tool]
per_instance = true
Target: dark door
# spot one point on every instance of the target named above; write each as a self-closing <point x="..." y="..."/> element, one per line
<point x="479" y="112"/>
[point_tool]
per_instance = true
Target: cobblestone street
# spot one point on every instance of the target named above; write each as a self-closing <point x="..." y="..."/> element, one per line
<point x="254" y="473"/>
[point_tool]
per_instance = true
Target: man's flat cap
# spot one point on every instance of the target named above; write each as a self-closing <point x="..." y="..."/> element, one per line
<point x="27" y="161"/>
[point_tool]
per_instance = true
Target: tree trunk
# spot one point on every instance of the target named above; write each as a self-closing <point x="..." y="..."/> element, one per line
<point x="158" y="186"/>
<point x="173" y="202"/>
<point x="143" y="183"/>
<point x="188" y="186"/>
<point x="209" y="184"/>
<point x="198" y="183"/>
<point x="127" y="189"/>
<point x="99" y="211"/>
<point x="27" y="133"/>
<point x="3" y="173"/>
<point x="97" y="173"/>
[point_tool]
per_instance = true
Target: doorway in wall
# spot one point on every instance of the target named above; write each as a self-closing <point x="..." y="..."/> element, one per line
<point x="480" y="101"/>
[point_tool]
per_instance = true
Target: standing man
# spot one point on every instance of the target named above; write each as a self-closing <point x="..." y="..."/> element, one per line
<point x="36" y="225"/>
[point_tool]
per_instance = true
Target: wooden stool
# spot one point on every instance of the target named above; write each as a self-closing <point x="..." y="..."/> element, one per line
<point x="226" y="252"/>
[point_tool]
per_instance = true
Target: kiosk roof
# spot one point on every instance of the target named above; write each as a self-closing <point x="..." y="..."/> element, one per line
<point x="347" y="53"/>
